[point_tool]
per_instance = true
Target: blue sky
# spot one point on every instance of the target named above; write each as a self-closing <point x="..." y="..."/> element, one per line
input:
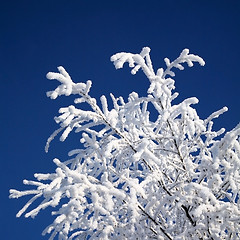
<point x="38" y="36"/>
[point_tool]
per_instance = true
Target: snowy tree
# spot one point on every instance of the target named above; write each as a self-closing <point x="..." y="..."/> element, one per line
<point x="135" y="178"/>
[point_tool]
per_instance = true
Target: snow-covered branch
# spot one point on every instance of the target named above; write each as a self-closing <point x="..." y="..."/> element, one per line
<point x="137" y="178"/>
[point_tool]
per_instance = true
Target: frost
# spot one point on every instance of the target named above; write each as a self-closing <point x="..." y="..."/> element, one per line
<point x="135" y="178"/>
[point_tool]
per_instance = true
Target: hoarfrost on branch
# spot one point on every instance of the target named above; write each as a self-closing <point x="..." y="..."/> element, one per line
<point x="134" y="178"/>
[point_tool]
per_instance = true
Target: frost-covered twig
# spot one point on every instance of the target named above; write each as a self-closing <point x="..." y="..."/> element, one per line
<point x="177" y="63"/>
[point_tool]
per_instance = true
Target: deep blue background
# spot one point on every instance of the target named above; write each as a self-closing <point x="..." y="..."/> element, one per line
<point x="38" y="36"/>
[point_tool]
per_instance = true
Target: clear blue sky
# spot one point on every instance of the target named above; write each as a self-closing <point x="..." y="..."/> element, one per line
<point x="38" y="36"/>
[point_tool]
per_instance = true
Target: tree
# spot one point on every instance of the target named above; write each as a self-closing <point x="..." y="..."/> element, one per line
<point x="135" y="178"/>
